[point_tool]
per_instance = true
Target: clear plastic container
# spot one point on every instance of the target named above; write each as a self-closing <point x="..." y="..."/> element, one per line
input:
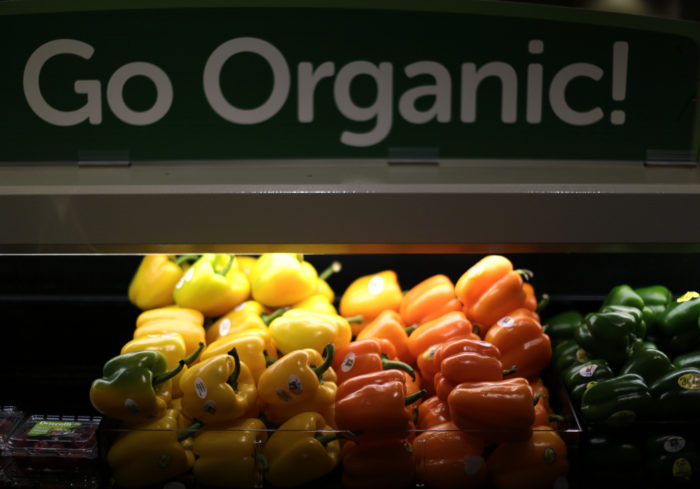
<point x="10" y="418"/>
<point x="55" y="443"/>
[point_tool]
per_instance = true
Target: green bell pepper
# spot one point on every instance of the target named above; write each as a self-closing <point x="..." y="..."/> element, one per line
<point x="679" y="324"/>
<point x="607" y="335"/>
<point x="677" y="395"/>
<point x="561" y="327"/>
<point x="623" y="295"/>
<point x="672" y="460"/>
<point x="568" y="353"/>
<point x="640" y="329"/>
<point x="691" y="359"/>
<point x="578" y="378"/>
<point x="617" y="402"/>
<point x="647" y="362"/>
<point x="656" y="300"/>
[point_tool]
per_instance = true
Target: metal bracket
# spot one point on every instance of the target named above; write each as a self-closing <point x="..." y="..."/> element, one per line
<point x="671" y="158"/>
<point x="414" y="156"/>
<point x="99" y="159"/>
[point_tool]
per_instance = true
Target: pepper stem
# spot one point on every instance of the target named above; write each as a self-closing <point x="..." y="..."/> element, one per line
<point x="544" y="302"/>
<point x="261" y="459"/>
<point x="233" y="380"/>
<point x="410" y="329"/>
<point x="555" y="417"/>
<point x="190" y="430"/>
<point x="537" y="398"/>
<point x="525" y="274"/>
<point x="326" y="439"/>
<point x="268" y="359"/>
<point x="228" y="266"/>
<point x="415" y="415"/>
<point x="183" y="258"/>
<point x="355" y="319"/>
<point x="511" y="370"/>
<point x="476" y="329"/>
<point x="415" y="396"/>
<point x="159" y="379"/>
<point x="330" y="349"/>
<point x="334" y="267"/>
<point x="268" y="318"/>
<point x="193" y="356"/>
<point x="398" y="365"/>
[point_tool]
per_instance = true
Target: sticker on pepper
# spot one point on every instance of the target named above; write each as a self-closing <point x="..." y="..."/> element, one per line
<point x="429" y="354"/>
<point x="165" y="460"/>
<point x="225" y="327"/>
<point x="376" y="285"/>
<point x="131" y="407"/>
<point x="283" y="394"/>
<point x="582" y="356"/>
<point x="588" y="370"/>
<point x="674" y="444"/>
<point x="682" y="469"/>
<point x="549" y="455"/>
<point x="200" y="388"/>
<point x="687" y="296"/>
<point x="472" y="464"/>
<point x="505" y="321"/>
<point x="689" y="381"/>
<point x="348" y="362"/>
<point x="294" y="385"/>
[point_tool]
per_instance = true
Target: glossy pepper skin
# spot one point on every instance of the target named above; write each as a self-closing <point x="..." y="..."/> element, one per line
<point x="568" y="353"/>
<point x="679" y="325"/>
<point x="218" y="390"/>
<point x="624" y="295"/>
<point x="213" y="285"/>
<point x="617" y="402"/>
<point x="607" y="335"/>
<point x="650" y="363"/>
<point x="282" y="279"/>
<point x="191" y="333"/>
<point x="389" y="325"/>
<point x="677" y="395"/>
<point x="297" y="330"/>
<point x="489" y="290"/>
<point x="449" y="458"/>
<point x="430" y="299"/>
<point x="561" y="327"/>
<point x="150" y="454"/>
<point x="172" y="345"/>
<point x="530" y="464"/>
<point x="251" y="350"/>
<point x="522" y="343"/>
<point x="297" y="453"/>
<point x="656" y="299"/>
<point x="226" y="457"/>
<point x="375" y="403"/>
<point x="369" y="296"/>
<point x="168" y="313"/>
<point x="469" y="361"/>
<point x="245" y="317"/>
<point x="154" y="281"/>
<point x="366" y="356"/>
<point x="378" y="464"/>
<point x="449" y="326"/>
<point x="672" y="460"/>
<point x="691" y="359"/>
<point x="577" y="378"/>
<point x="432" y="412"/>
<point x="497" y="411"/>
<point x="131" y="388"/>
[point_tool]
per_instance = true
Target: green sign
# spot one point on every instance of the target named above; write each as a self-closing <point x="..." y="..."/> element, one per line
<point x="265" y="80"/>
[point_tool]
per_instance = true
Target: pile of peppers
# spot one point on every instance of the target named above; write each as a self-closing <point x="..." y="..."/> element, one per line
<point x="245" y="371"/>
<point x="632" y="368"/>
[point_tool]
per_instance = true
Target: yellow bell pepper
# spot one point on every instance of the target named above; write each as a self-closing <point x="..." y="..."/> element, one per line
<point x="369" y="296"/>
<point x="298" y="329"/>
<point x="192" y="334"/>
<point x="246" y="263"/>
<point x="150" y="454"/>
<point x="316" y="303"/>
<point x="244" y="317"/>
<point x="172" y="345"/>
<point x="170" y="312"/>
<point x="218" y="390"/>
<point x="154" y="281"/>
<point x="251" y="349"/>
<point x="282" y="279"/>
<point x="214" y="285"/>
<point x="230" y="456"/>
<point x="300" y="452"/>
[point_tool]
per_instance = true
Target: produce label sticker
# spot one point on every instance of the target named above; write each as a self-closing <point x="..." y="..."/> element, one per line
<point x="43" y="428"/>
<point x="582" y="356"/>
<point x="689" y="381"/>
<point x="252" y="81"/>
<point x="200" y="387"/>
<point x="549" y="455"/>
<point x="588" y="370"/>
<point x="674" y="444"/>
<point x="348" y="362"/>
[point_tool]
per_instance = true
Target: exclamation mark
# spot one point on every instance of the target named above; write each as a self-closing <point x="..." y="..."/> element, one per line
<point x="619" y="79"/>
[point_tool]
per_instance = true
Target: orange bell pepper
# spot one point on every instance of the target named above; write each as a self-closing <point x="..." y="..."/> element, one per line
<point x="447" y="327"/>
<point x="491" y="289"/>
<point x="522" y="342"/>
<point x="389" y="325"/>
<point x="448" y="458"/>
<point x="530" y="297"/>
<point x="380" y="464"/>
<point x="428" y="300"/>
<point x="369" y="296"/>
<point x="375" y="404"/>
<point x="366" y="356"/>
<point x="497" y="411"/>
<point x="432" y="412"/>
<point x="537" y="462"/>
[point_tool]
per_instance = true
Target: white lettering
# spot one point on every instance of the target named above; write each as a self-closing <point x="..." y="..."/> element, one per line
<point x="441" y="90"/>
<point x="92" y="110"/>
<point x="308" y="79"/>
<point x="471" y="78"/>
<point x="280" y="80"/>
<point x="164" y="93"/>
<point x="557" y="94"/>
